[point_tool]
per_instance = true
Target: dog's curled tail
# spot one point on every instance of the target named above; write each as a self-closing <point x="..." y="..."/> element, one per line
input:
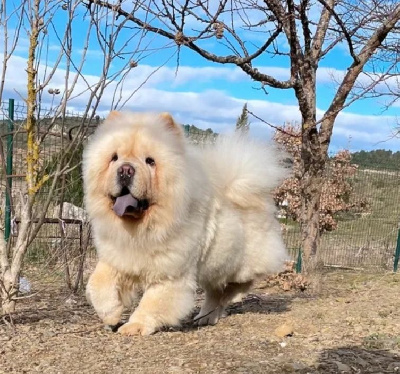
<point x="246" y="170"/>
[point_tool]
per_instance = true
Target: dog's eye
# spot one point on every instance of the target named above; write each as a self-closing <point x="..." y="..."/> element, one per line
<point x="150" y="161"/>
<point x="114" y="157"/>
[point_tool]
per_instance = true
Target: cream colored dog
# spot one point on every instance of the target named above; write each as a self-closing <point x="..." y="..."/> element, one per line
<point x="168" y="216"/>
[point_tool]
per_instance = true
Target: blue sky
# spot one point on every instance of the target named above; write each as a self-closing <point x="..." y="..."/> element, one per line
<point x="205" y="94"/>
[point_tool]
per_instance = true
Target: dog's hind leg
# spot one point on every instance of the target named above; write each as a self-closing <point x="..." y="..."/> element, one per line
<point x="216" y="301"/>
<point x="211" y="310"/>
<point x="235" y="292"/>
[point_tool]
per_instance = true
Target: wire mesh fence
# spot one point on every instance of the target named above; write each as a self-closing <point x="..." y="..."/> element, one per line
<point x="64" y="234"/>
<point x="364" y="239"/>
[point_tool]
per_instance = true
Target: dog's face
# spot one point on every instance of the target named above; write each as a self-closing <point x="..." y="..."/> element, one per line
<point x="132" y="166"/>
<point x="131" y="176"/>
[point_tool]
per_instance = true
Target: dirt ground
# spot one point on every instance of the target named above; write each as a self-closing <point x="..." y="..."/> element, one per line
<point x="350" y="325"/>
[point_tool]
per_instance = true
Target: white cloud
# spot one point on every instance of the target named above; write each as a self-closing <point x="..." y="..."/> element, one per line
<point x="209" y="108"/>
<point x="366" y="131"/>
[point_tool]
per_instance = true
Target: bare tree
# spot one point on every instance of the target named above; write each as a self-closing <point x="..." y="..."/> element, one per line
<point x="310" y="30"/>
<point x="41" y="20"/>
<point x="10" y="38"/>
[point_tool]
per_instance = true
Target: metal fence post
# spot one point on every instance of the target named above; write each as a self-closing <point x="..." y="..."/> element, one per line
<point x="397" y="253"/>
<point x="9" y="168"/>
<point x="299" y="262"/>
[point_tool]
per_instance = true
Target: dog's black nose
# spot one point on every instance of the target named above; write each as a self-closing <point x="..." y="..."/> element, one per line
<point x="125" y="174"/>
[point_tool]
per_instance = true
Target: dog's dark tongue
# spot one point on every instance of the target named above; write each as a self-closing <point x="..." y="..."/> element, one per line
<point x="124" y="203"/>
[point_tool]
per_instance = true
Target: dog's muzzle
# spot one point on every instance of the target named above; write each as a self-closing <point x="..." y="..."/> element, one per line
<point x="125" y="175"/>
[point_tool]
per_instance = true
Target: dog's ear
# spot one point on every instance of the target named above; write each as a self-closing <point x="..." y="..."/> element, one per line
<point x="170" y="123"/>
<point x="114" y="114"/>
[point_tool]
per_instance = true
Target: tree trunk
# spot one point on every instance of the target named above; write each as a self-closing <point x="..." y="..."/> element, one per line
<point x="8" y="292"/>
<point x="11" y="267"/>
<point x="312" y="176"/>
<point x="309" y="219"/>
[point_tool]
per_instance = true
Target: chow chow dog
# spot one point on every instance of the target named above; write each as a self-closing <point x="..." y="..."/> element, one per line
<point x="168" y="216"/>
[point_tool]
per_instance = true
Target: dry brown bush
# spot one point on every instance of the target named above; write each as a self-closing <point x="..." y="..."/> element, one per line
<point x="338" y="193"/>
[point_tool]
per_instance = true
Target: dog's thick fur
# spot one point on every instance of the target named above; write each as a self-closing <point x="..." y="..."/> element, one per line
<point x="210" y="221"/>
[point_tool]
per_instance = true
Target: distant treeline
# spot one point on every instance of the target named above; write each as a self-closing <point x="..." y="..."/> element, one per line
<point x="377" y="159"/>
<point x="190" y="129"/>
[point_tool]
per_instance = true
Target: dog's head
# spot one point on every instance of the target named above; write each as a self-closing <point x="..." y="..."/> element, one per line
<point x="133" y="165"/>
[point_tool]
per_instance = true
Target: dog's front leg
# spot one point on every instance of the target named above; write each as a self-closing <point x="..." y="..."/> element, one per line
<point x="102" y="292"/>
<point x="163" y="304"/>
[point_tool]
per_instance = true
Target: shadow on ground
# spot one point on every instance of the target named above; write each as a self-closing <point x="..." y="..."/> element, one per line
<point x="252" y="303"/>
<point x="74" y="308"/>
<point x="354" y="360"/>
<point x="263" y="304"/>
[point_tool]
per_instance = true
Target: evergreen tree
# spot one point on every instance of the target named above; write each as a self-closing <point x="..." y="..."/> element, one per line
<point x="242" y="123"/>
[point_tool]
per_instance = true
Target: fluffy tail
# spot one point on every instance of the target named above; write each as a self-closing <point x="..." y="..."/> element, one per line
<point x="245" y="170"/>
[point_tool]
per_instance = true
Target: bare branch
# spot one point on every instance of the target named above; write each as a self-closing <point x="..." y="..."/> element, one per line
<point x="354" y="71"/>
<point x="277" y="128"/>
<point x="320" y="33"/>
<point x="181" y="39"/>
<point x="305" y="23"/>
<point x="331" y="11"/>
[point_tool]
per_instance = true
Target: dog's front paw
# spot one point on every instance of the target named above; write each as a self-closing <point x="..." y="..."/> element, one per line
<point x="112" y="318"/>
<point x="136" y="328"/>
